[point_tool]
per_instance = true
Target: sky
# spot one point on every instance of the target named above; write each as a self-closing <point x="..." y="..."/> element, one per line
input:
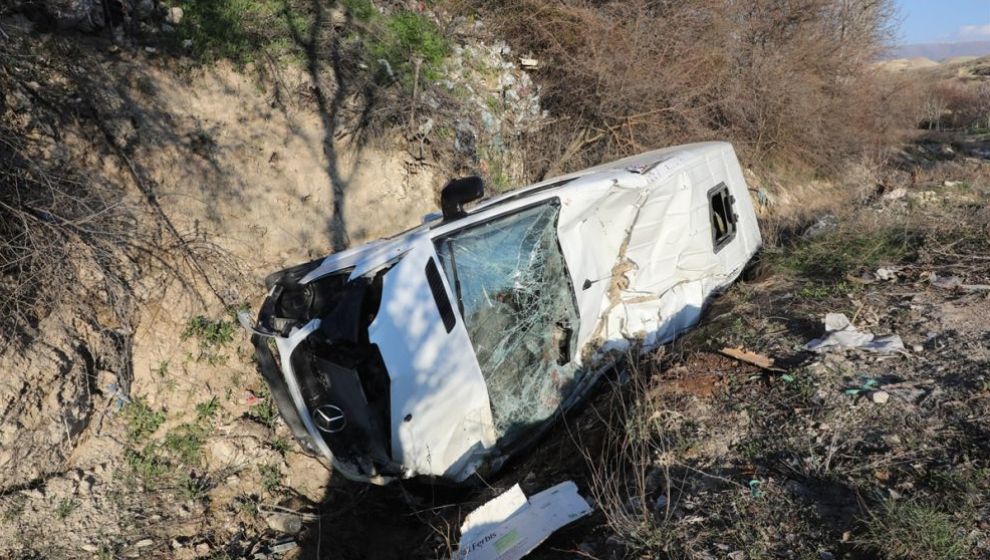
<point x="944" y="21"/>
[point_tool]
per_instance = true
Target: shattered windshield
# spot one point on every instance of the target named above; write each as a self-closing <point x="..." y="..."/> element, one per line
<point x="518" y="306"/>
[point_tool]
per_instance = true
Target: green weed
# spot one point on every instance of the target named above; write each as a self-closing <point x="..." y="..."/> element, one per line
<point x="162" y="369"/>
<point x="66" y="507"/>
<point x="218" y="332"/>
<point x="15" y="507"/>
<point x="361" y="10"/>
<point x="824" y="291"/>
<point x="193" y="488"/>
<point x="271" y="477"/>
<point x="212" y="336"/>
<point x="147" y="464"/>
<point x="829" y="258"/>
<point x="281" y="445"/>
<point x="207" y="410"/>
<point x="906" y="529"/>
<point x="392" y="43"/>
<point x="265" y="411"/>
<point x="238" y="29"/>
<point x="142" y="421"/>
<point x="185" y="443"/>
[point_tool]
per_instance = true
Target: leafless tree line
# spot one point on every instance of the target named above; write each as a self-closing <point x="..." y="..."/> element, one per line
<point x="785" y="80"/>
<point x="70" y="237"/>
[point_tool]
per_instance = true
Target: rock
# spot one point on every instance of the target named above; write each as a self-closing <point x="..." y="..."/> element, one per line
<point x="89" y="547"/>
<point x="951" y="183"/>
<point x="946" y="282"/>
<point x="283" y="547"/>
<point x="187" y="44"/>
<point x="918" y="348"/>
<point x="426" y="127"/>
<point x="896" y="194"/>
<point x="880" y="397"/>
<point x="143" y="9"/>
<point x="144" y="543"/>
<point x="202" y="549"/>
<point x="284" y="523"/>
<point x="174" y="16"/>
<point x="737" y="555"/>
<point x="825" y="224"/>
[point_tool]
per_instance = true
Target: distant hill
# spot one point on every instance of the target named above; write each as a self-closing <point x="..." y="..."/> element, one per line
<point x="940" y="51"/>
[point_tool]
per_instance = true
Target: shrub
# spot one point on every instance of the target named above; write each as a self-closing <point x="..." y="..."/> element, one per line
<point x="239" y="29"/>
<point x="393" y="42"/>
<point x="789" y="81"/>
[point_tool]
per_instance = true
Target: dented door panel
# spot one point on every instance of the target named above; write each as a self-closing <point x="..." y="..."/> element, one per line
<point x="442" y="417"/>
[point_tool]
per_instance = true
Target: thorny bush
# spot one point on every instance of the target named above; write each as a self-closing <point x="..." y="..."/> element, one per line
<point x="784" y="81"/>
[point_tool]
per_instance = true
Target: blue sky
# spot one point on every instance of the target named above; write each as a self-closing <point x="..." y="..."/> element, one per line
<point x="944" y="21"/>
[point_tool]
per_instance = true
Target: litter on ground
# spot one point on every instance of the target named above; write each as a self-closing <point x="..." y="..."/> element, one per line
<point x="841" y="334"/>
<point x="510" y="526"/>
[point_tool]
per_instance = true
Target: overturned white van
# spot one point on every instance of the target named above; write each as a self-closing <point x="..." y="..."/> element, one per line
<point x="444" y="350"/>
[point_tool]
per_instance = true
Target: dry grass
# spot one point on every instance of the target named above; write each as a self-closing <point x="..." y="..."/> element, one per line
<point x="911" y="530"/>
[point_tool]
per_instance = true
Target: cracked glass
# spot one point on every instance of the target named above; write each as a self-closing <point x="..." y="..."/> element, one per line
<point x="516" y="298"/>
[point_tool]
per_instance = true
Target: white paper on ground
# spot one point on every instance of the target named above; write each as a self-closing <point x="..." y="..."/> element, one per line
<point x="840" y="333"/>
<point x="510" y="526"/>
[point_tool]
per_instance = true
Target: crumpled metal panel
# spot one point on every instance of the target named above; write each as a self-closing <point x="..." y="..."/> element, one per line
<point x="645" y="244"/>
<point x="441" y="416"/>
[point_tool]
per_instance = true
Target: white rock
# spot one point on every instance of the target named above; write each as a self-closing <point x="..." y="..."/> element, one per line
<point x="284" y="523"/>
<point x="898" y="193"/>
<point x="144" y="543"/>
<point x="174" y="16"/>
<point x="880" y="397"/>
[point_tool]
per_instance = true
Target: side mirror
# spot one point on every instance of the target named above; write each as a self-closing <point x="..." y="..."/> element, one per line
<point x="459" y="192"/>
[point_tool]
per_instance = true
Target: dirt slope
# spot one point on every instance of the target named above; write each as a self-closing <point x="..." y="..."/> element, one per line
<point x="248" y="183"/>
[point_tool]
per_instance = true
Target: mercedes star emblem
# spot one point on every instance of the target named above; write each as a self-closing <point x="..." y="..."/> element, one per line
<point x="329" y="418"/>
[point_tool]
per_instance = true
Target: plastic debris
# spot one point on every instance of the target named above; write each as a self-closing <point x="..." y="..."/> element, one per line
<point x="887" y="273"/>
<point x="841" y="334"/>
<point x="949" y="282"/>
<point x="510" y="526"/>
